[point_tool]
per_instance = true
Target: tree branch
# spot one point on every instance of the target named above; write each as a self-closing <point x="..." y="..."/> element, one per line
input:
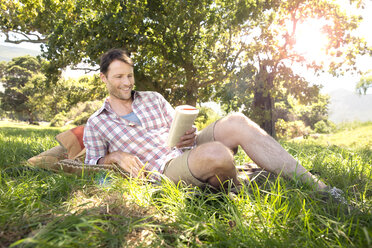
<point x="27" y="38"/>
<point x="85" y="69"/>
<point x="204" y="84"/>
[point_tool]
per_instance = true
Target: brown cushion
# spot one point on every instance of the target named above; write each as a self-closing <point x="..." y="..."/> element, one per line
<point x="49" y="158"/>
<point x="72" y="141"/>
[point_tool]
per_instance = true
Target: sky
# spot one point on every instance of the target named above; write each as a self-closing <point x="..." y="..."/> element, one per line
<point x="348" y="81"/>
<point x="330" y="83"/>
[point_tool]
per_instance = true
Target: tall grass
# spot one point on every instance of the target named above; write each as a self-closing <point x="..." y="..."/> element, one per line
<point x="39" y="208"/>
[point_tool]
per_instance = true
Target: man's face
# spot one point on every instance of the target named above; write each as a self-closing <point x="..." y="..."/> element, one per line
<point x="119" y="80"/>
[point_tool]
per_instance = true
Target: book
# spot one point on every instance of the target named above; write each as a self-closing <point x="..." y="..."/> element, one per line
<point x="183" y="120"/>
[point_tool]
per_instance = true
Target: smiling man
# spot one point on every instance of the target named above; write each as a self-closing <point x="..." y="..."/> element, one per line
<point x="132" y="127"/>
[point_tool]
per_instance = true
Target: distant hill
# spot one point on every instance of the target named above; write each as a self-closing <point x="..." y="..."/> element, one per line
<point x="349" y="106"/>
<point x="8" y="52"/>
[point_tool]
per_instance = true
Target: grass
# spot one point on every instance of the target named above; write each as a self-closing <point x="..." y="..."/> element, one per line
<point x="350" y="135"/>
<point x="39" y="208"/>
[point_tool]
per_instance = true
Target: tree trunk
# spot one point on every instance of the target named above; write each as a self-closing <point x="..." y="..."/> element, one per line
<point x="191" y="87"/>
<point x="263" y="103"/>
<point x="31" y="119"/>
<point x="192" y="96"/>
<point x="263" y="112"/>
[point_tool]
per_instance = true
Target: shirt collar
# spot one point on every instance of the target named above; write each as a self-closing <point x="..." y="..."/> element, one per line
<point x="106" y="105"/>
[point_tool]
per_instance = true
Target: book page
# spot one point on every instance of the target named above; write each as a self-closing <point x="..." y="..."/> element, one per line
<point x="183" y="120"/>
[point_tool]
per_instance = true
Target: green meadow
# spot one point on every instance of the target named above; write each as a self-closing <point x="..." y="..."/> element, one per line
<point x="40" y="208"/>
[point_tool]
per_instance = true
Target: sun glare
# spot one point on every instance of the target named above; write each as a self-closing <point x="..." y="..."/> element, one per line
<point x="310" y="41"/>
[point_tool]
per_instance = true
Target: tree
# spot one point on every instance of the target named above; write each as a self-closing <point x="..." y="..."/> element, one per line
<point x="2" y="69"/>
<point x="187" y="50"/>
<point x="270" y="55"/>
<point x="314" y="112"/>
<point x="28" y="94"/>
<point x="180" y="47"/>
<point x="364" y="83"/>
<point x="33" y="97"/>
<point x="21" y="80"/>
<point x="67" y="93"/>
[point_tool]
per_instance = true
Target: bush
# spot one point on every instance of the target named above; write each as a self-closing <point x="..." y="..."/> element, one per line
<point x="291" y="129"/>
<point x="59" y="120"/>
<point x="324" y="126"/>
<point x="82" y="118"/>
<point x="77" y="115"/>
<point x="206" y="116"/>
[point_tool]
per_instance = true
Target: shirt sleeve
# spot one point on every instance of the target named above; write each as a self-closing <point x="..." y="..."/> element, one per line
<point x="95" y="144"/>
<point x="167" y="109"/>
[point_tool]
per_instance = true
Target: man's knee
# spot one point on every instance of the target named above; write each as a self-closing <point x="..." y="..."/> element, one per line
<point x="215" y="156"/>
<point x="239" y="119"/>
<point x="218" y="154"/>
<point x="231" y="129"/>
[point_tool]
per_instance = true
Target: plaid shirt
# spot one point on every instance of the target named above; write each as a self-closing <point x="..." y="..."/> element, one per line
<point x="106" y="132"/>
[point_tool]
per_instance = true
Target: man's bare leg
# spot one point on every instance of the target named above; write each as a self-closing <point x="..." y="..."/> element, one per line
<point x="212" y="163"/>
<point x="237" y="129"/>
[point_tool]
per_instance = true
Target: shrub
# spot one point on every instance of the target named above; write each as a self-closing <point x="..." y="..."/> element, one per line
<point x="206" y="116"/>
<point x="324" y="126"/>
<point x="77" y="115"/>
<point x="59" y="120"/>
<point x="291" y="129"/>
<point x="83" y="118"/>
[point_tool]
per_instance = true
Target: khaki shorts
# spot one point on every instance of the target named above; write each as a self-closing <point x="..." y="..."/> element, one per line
<point x="177" y="169"/>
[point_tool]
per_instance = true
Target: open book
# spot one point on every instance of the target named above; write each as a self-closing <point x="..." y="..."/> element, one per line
<point x="183" y="120"/>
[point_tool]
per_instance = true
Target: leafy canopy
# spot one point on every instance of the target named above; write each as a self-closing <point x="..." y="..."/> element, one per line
<point x="179" y="46"/>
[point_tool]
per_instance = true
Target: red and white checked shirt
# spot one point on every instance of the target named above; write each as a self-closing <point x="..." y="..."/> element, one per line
<point x="106" y="132"/>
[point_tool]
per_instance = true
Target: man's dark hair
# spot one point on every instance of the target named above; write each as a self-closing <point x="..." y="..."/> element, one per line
<point x="114" y="54"/>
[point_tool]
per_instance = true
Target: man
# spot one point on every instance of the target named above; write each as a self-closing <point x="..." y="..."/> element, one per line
<point x="131" y="130"/>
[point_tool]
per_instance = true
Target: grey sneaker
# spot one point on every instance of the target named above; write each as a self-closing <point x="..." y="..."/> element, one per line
<point x="337" y="194"/>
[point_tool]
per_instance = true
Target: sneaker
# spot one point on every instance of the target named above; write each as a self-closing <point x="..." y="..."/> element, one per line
<point x="337" y="195"/>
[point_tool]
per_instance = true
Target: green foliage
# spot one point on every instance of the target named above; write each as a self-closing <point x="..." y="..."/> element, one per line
<point x="265" y="72"/>
<point x="291" y="129"/>
<point x="82" y="112"/>
<point x="77" y="115"/>
<point x="29" y="95"/>
<point x="2" y="68"/>
<point x="205" y="117"/>
<point x="85" y="88"/>
<point x="67" y="93"/>
<point x="321" y="127"/>
<point x="364" y="83"/>
<point x="22" y="82"/>
<point x="189" y="50"/>
<point x="179" y="46"/>
<point x="324" y="127"/>
<point x="59" y="120"/>
<point x="313" y="112"/>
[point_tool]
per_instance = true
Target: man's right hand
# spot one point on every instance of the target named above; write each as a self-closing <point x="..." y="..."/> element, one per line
<point x="126" y="161"/>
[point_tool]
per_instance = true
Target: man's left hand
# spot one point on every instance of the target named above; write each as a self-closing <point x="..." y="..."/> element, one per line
<point x="188" y="139"/>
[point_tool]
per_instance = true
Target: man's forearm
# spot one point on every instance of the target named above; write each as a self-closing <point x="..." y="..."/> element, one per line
<point x="128" y="162"/>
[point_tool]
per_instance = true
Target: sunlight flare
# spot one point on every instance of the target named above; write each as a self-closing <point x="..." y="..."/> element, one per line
<point x="311" y="41"/>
